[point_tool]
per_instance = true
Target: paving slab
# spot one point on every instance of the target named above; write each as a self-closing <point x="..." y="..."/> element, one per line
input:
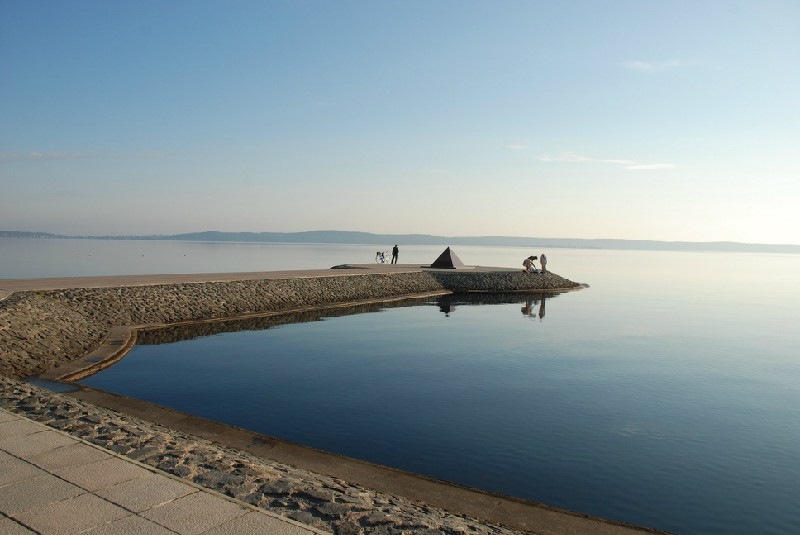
<point x="52" y="483"/>
<point x="12" y="527"/>
<point x="67" y="456"/>
<point x="73" y="515"/>
<point x="12" y="428"/>
<point x="131" y="525"/>
<point x="143" y="493"/>
<point x="13" y="471"/>
<point x="194" y="514"/>
<point x="250" y="523"/>
<point x="27" y="445"/>
<point x="29" y="494"/>
<point x="102" y="474"/>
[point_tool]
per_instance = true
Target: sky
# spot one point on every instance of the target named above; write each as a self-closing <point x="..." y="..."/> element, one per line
<point x="661" y="120"/>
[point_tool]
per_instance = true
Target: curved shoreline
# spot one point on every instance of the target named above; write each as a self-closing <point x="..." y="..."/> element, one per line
<point x="43" y="329"/>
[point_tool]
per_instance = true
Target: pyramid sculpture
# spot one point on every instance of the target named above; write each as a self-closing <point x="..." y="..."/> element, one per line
<point x="448" y="260"/>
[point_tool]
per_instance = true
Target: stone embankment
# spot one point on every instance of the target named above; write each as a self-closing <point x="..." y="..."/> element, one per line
<point x="40" y="330"/>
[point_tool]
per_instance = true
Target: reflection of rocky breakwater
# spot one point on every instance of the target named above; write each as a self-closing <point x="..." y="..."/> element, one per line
<point x="494" y="298"/>
<point x="178" y="333"/>
<point x="41" y="329"/>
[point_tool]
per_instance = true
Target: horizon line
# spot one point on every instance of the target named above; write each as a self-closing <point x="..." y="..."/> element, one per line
<point x="5" y="233"/>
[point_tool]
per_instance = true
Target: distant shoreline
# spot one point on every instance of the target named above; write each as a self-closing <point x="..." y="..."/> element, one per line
<point x="366" y="238"/>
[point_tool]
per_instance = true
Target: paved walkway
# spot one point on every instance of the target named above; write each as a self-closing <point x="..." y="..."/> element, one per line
<point x="9" y="286"/>
<point x="53" y="483"/>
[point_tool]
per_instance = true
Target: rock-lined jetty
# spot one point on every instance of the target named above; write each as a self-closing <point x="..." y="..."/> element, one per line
<point x="42" y="329"/>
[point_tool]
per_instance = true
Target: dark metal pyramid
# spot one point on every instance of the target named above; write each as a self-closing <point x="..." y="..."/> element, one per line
<point x="448" y="260"/>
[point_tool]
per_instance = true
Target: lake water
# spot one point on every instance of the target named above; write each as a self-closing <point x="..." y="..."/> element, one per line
<point x="665" y="394"/>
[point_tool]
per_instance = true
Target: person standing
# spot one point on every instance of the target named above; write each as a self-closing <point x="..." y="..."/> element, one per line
<point x="395" y="253"/>
<point x="543" y="262"/>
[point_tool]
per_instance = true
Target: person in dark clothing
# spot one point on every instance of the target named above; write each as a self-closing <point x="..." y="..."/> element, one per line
<point x="395" y="253"/>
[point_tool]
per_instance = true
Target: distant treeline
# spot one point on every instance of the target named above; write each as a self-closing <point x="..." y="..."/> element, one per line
<point x="366" y="238"/>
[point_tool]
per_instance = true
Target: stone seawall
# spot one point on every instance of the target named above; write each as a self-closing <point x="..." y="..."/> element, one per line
<point x="40" y="330"/>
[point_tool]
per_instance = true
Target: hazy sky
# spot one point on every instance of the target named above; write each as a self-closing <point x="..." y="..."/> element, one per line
<point x="666" y="120"/>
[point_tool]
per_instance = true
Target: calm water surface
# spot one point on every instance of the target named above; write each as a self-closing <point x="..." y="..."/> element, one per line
<point x="666" y="394"/>
<point x="34" y="258"/>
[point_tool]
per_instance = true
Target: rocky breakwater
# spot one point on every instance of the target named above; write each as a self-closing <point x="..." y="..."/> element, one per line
<point x="43" y="329"/>
<point x="40" y="330"/>
<point x="462" y="281"/>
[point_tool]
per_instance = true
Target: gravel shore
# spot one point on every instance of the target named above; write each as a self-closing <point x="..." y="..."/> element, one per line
<point x="40" y="330"/>
<point x="314" y="499"/>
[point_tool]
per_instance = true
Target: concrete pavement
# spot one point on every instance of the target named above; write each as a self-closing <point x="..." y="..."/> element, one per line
<point x="53" y="483"/>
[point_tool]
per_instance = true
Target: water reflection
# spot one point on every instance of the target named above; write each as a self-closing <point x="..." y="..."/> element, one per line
<point x="179" y="333"/>
<point x="532" y="303"/>
<point x="447" y="304"/>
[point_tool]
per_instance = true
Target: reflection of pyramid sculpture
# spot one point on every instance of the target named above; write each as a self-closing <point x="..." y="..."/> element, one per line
<point x="448" y="260"/>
